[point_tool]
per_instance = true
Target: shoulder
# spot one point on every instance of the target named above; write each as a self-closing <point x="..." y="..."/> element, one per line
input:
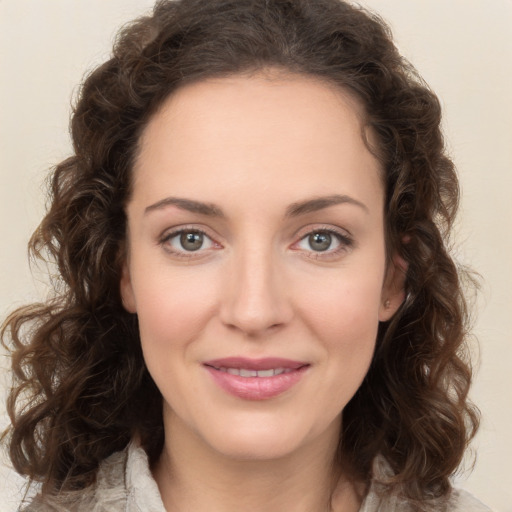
<point x="384" y="497"/>
<point x="463" y="501"/>
<point x="107" y="494"/>
<point x="459" y="501"/>
<point x="124" y="483"/>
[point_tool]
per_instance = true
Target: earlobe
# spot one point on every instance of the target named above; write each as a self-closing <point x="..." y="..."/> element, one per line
<point x="126" y="290"/>
<point x="393" y="290"/>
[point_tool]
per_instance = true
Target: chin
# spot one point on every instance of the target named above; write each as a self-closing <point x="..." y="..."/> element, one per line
<point x="262" y="447"/>
<point x="260" y="439"/>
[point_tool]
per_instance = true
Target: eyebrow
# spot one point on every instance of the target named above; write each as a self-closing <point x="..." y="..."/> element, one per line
<point x="190" y="205"/>
<point x="294" y="210"/>
<point x="319" y="203"/>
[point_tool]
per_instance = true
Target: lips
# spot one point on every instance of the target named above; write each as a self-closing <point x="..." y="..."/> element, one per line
<point x="256" y="379"/>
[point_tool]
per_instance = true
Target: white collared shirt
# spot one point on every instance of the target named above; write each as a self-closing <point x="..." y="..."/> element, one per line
<point x="125" y="484"/>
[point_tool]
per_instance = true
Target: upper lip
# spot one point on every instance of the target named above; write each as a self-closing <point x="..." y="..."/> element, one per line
<point x="266" y="363"/>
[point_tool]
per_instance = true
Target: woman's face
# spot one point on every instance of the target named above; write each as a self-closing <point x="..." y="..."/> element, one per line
<point x="256" y="261"/>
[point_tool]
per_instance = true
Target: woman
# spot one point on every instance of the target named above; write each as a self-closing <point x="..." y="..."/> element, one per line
<point x="256" y="305"/>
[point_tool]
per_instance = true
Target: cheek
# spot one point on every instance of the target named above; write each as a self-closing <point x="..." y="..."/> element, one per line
<point x="343" y="316"/>
<point x="173" y="308"/>
<point x="344" y="306"/>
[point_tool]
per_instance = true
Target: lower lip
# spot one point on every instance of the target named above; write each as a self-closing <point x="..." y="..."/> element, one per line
<point x="256" y="388"/>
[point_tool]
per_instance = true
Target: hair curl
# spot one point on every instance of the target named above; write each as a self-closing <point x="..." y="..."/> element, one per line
<point x="82" y="389"/>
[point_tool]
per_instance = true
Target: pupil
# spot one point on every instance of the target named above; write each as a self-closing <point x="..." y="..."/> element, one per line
<point x="320" y="241"/>
<point x="191" y="241"/>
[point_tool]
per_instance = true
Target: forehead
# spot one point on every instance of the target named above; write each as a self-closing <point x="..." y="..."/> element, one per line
<point x="259" y="101"/>
<point x="259" y="132"/>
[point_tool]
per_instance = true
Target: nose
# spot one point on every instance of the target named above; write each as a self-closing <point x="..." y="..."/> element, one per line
<point x="255" y="298"/>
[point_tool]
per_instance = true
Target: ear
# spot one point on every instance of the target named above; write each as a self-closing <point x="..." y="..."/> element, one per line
<point x="126" y="289"/>
<point x="393" y="290"/>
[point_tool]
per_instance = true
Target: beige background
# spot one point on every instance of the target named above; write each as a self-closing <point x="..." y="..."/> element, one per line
<point x="463" y="48"/>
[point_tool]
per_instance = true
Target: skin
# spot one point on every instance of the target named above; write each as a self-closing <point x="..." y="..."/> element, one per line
<point x="258" y="286"/>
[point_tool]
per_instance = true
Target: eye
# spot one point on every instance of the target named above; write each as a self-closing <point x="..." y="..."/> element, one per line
<point x="325" y="241"/>
<point x="187" y="241"/>
<point x="319" y="241"/>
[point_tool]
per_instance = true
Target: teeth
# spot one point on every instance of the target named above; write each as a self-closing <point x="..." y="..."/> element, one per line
<point x="266" y="373"/>
<point x="248" y="373"/>
<point x="242" y="372"/>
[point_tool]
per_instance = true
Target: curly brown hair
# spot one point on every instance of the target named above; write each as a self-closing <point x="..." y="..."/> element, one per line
<point x="82" y="390"/>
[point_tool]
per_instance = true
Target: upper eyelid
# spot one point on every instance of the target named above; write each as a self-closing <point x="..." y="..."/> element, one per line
<point x="342" y="238"/>
<point x="171" y="232"/>
<point x="305" y="231"/>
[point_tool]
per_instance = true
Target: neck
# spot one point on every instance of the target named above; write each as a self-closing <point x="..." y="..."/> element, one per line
<point x="194" y="477"/>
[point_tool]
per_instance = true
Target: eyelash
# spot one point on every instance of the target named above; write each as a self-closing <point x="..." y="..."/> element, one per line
<point x="345" y="241"/>
<point x="183" y="254"/>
